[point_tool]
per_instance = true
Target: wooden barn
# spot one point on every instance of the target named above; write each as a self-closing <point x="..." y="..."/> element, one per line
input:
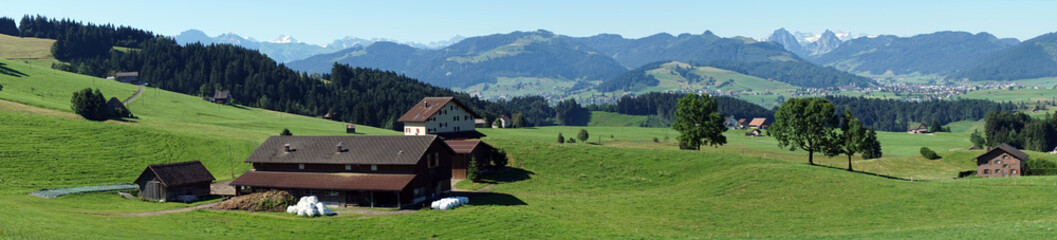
<point x="466" y="150"/>
<point x="166" y="182"/>
<point x="370" y="171"/>
<point x="220" y="97"/>
<point x="116" y="108"/>
<point x="350" y="128"/>
<point x="921" y="129"/>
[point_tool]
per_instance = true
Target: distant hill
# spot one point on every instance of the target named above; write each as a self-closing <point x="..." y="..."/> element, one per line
<point x="476" y="60"/>
<point x="286" y="48"/>
<point x="1034" y="58"/>
<point x="705" y="47"/>
<point x="674" y="75"/>
<point x="935" y="53"/>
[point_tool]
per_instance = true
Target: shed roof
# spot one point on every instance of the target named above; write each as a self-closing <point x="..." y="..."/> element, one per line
<point x="126" y="74"/>
<point x="222" y="94"/>
<point x="325" y="181"/>
<point x="401" y="150"/>
<point x="178" y="174"/>
<point x="1008" y="149"/>
<point x="429" y="106"/>
<point x="463" y="146"/>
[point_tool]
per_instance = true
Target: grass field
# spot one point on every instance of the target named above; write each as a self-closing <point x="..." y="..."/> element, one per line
<point x="627" y="187"/>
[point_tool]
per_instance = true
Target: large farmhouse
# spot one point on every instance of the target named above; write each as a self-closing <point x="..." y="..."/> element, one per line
<point x="375" y="171"/>
<point x="1002" y="161"/>
<point x="442" y="116"/>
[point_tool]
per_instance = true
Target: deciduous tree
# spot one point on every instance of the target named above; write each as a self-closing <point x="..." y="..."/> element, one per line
<point x="853" y="136"/>
<point x="698" y="122"/>
<point x="89" y="104"/>
<point x="807" y="124"/>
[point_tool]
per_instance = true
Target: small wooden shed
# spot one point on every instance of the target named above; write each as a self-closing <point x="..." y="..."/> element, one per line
<point x="350" y="128"/>
<point x="168" y="181"/>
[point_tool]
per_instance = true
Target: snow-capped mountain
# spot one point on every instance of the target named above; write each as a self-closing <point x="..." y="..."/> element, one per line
<point x="284" y="39"/>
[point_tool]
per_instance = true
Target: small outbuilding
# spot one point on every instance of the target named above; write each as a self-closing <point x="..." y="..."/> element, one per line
<point x="350" y="128"/>
<point x="754" y="133"/>
<point x="1002" y="161"/>
<point x="467" y="151"/>
<point x="921" y="129"/>
<point x="220" y="97"/>
<point x="175" y="181"/>
<point x="116" y="108"/>
<point x="127" y="77"/>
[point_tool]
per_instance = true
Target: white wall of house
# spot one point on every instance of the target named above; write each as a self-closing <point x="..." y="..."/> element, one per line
<point x="450" y="118"/>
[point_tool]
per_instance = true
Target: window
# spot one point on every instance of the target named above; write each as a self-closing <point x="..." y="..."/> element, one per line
<point x="1005" y="156"/>
<point x="348" y="167"/>
<point x="301" y="166"/>
<point x="998" y="161"/>
<point x="374" y="167"/>
<point x="987" y="171"/>
<point x="1014" y="171"/>
<point x="310" y="192"/>
<point x="452" y="108"/>
<point x="333" y="193"/>
<point x="1005" y="165"/>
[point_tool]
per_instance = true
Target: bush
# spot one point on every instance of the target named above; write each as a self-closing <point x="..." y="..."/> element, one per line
<point x="929" y="154"/>
<point x="561" y="139"/>
<point x="571" y="140"/>
<point x="286" y="132"/>
<point x="89" y="104"/>
<point x="655" y="140"/>
<point x="582" y="135"/>
<point x="471" y="170"/>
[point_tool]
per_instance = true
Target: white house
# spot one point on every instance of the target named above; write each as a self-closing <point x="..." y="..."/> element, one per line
<point x="443" y="116"/>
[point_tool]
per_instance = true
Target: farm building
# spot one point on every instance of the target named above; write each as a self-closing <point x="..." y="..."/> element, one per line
<point x="442" y="116"/>
<point x="921" y="129"/>
<point x="375" y="171"/>
<point x="480" y="123"/>
<point x="350" y="128"/>
<point x="220" y="97"/>
<point x="172" y="180"/>
<point x="758" y="123"/>
<point x="127" y="77"/>
<point x="465" y="150"/>
<point x="1002" y="161"/>
<point x="116" y="108"/>
<point x="754" y="133"/>
<point x="502" y="122"/>
<point x="732" y="123"/>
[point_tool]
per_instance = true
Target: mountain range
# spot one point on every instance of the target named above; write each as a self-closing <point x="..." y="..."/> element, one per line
<point x="286" y="49"/>
<point x="935" y="53"/>
<point x="543" y="54"/>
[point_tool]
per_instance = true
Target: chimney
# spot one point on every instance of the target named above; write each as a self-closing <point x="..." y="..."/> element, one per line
<point x="339" y="147"/>
<point x="287" y="147"/>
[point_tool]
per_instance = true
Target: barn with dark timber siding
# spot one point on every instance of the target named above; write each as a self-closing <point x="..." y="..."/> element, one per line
<point x="168" y="181"/>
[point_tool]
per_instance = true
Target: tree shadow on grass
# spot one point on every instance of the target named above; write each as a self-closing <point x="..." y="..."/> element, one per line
<point x="490" y="199"/>
<point x="11" y="72"/>
<point x="506" y="175"/>
<point x="866" y="173"/>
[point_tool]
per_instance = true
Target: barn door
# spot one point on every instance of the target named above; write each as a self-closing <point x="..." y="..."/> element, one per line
<point x="153" y="190"/>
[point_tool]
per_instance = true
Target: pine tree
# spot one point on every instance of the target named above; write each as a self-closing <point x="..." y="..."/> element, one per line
<point x="472" y="170"/>
<point x="871" y="147"/>
<point x="561" y="139"/>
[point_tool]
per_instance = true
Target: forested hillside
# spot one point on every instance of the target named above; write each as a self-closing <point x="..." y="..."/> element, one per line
<point x="663" y="106"/>
<point x="935" y="53"/>
<point x="1034" y="58"/>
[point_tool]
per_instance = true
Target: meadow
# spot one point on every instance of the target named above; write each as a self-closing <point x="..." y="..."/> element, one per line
<point x="619" y="184"/>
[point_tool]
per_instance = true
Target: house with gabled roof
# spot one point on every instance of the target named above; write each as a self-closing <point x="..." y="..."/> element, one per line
<point x="442" y="116"/>
<point x="757" y="123"/>
<point x="1002" y="161"/>
<point x="920" y="129"/>
<point x="167" y="182"/>
<point x="371" y="171"/>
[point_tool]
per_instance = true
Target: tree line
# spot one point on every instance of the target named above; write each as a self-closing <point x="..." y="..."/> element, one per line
<point x="1018" y="130"/>
<point x="663" y="105"/>
<point x="897" y="115"/>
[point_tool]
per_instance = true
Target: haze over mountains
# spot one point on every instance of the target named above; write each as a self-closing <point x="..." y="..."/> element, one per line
<point x="286" y="48"/>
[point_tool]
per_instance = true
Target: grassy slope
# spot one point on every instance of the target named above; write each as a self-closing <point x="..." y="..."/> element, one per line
<point x="608" y="119"/>
<point x="629" y="187"/>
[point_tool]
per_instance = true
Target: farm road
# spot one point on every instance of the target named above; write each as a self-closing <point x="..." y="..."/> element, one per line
<point x="134" y="96"/>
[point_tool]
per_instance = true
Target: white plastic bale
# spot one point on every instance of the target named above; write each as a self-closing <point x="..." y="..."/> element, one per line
<point x="292" y="209"/>
<point x="312" y="199"/>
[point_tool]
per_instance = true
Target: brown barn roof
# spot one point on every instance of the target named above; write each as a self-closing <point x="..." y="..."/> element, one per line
<point x="923" y="127"/>
<point x="1008" y="149"/>
<point x="429" y="106"/>
<point x="404" y="150"/>
<point x="757" y="122"/>
<point x="178" y="174"/>
<point x="328" y="181"/>
<point x="462" y="146"/>
<point x="114" y="103"/>
<point x="126" y="74"/>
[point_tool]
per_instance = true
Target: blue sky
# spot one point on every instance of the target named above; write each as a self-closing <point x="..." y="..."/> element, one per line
<point x="423" y="21"/>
